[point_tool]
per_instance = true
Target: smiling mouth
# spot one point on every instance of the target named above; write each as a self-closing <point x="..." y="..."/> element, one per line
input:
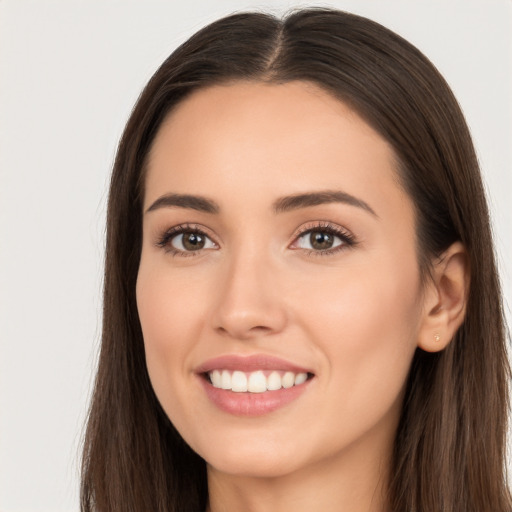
<point x="259" y="381"/>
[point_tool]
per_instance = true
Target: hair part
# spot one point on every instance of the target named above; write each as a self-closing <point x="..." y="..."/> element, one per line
<point x="448" y="455"/>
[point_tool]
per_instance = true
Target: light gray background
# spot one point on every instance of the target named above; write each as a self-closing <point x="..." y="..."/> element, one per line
<point x="70" y="72"/>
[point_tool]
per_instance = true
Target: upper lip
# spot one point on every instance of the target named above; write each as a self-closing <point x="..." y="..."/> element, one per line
<point x="249" y="364"/>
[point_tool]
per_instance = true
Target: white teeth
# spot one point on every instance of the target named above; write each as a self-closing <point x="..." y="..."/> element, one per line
<point x="274" y="381"/>
<point x="225" y="382"/>
<point x="300" y="378"/>
<point x="216" y="378"/>
<point x="239" y="382"/>
<point x="288" y="380"/>
<point x="255" y="382"/>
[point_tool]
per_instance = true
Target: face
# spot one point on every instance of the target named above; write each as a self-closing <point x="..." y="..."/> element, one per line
<point x="278" y="290"/>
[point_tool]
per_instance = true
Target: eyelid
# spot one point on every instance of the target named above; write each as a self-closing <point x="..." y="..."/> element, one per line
<point x="164" y="238"/>
<point x="347" y="238"/>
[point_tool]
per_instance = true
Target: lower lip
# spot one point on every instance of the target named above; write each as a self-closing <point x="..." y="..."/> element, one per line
<point x="252" y="404"/>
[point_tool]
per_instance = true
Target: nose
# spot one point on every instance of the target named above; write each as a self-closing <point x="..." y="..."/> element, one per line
<point x="249" y="304"/>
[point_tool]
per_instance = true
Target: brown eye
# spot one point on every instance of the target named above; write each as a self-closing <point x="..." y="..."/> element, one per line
<point x="193" y="241"/>
<point x="190" y="241"/>
<point x="321" y="240"/>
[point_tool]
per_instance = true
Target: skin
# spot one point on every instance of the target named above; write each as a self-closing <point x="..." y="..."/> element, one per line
<point x="354" y="317"/>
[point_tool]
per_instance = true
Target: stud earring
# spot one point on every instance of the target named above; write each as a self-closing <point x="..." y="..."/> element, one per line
<point x="437" y="337"/>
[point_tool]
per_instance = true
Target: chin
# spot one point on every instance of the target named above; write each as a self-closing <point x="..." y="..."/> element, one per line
<point x="263" y="466"/>
<point x="258" y="461"/>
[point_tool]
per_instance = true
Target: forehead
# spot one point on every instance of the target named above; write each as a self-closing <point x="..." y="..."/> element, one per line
<point x="252" y="139"/>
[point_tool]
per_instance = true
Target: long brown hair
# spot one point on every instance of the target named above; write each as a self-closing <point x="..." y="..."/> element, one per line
<point x="450" y="445"/>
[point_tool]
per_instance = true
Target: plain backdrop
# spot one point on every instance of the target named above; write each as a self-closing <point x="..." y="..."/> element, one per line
<point x="70" y="72"/>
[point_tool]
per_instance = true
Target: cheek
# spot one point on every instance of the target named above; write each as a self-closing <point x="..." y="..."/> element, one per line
<point x="366" y="329"/>
<point x="364" y="303"/>
<point x="170" y="327"/>
<point x="168" y="305"/>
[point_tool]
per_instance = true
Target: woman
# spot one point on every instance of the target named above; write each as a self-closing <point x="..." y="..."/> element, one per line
<point x="301" y="302"/>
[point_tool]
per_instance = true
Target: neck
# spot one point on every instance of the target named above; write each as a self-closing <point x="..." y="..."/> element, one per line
<point x="356" y="482"/>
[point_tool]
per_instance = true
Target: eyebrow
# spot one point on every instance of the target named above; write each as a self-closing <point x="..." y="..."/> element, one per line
<point x="281" y="205"/>
<point x="294" y="202"/>
<point x="191" y="202"/>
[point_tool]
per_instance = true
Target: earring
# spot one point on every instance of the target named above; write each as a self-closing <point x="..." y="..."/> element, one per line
<point x="437" y="337"/>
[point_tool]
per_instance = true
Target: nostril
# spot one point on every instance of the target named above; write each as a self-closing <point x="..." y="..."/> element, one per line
<point x="242" y="333"/>
<point x="260" y="328"/>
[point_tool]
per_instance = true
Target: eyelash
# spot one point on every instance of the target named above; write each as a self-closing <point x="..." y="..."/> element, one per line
<point x="165" y="239"/>
<point x="347" y="239"/>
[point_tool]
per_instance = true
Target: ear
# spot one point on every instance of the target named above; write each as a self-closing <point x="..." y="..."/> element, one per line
<point x="445" y="299"/>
